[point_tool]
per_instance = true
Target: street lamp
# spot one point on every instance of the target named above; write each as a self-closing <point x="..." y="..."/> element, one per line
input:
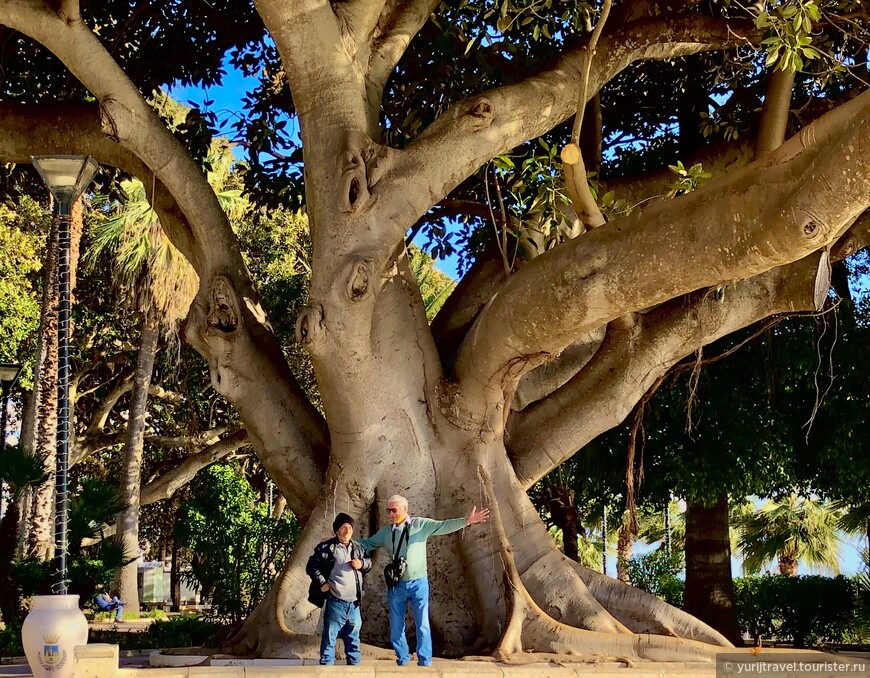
<point x="67" y="176"/>
<point x="8" y="376"/>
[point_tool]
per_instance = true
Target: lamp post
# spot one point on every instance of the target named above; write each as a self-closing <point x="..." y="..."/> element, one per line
<point x="8" y="376"/>
<point x="67" y="176"/>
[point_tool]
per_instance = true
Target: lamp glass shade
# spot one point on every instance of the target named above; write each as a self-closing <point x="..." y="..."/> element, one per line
<point x="9" y="374"/>
<point x="67" y="176"/>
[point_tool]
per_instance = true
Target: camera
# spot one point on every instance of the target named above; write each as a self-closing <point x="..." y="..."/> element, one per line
<point x="394" y="571"/>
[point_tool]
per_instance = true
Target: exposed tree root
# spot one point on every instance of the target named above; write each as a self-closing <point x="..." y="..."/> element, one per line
<point x="530" y="628"/>
<point x="642" y="612"/>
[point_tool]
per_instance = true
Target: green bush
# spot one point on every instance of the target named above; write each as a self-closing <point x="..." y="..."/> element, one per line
<point x="238" y="547"/>
<point x="10" y="641"/>
<point x="188" y="631"/>
<point x="658" y="573"/>
<point x="806" y="610"/>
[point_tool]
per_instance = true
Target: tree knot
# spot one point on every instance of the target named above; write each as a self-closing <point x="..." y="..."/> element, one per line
<point x="358" y="278"/>
<point x="309" y="325"/>
<point x="364" y="163"/>
<point x="481" y="113"/>
<point x="116" y="120"/>
<point x="223" y="312"/>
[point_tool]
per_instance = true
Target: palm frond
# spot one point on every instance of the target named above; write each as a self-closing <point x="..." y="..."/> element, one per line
<point x="21" y="470"/>
<point x="96" y="503"/>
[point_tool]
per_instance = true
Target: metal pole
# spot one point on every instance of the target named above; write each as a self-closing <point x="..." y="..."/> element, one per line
<point x="3" y="423"/>
<point x="63" y="374"/>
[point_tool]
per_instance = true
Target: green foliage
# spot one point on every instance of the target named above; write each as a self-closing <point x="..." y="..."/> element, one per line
<point x="794" y="529"/>
<point x="238" y="547"/>
<point x="21" y="470"/>
<point x="435" y="286"/>
<point x="10" y="641"/>
<point x="95" y="503"/>
<point x="657" y="573"/>
<point x="181" y="631"/>
<point x="790" y="26"/>
<point x="23" y="230"/>
<point x="687" y="180"/>
<point x="807" y="610"/>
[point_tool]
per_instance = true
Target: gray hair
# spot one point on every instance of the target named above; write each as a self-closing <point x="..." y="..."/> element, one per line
<point x="398" y="499"/>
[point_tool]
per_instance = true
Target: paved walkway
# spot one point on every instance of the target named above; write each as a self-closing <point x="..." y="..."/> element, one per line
<point x="137" y="667"/>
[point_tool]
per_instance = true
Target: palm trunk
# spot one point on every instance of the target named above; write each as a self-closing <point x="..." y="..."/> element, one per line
<point x="131" y="472"/>
<point x="36" y="528"/>
<point x="709" y="593"/>
<point x="175" y="579"/>
<point x="40" y="513"/>
<point x="788" y="564"/>
<point x="560" y="504"/>
<point x="624" y="547"/>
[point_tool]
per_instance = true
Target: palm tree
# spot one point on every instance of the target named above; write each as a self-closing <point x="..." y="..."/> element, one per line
<point x="22" y="471"/>
<point x="796" y="529"/>
<point x="152" y="273"/>
<point x="855" y="519"/>
<point x="435" y="286"/>
<point x="41" y="438"/>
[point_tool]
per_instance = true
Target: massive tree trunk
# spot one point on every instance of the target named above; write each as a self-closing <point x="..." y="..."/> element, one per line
<point x="433" y="416"/>
<point x="131" y="468"/>
<point x="709" y="593"/>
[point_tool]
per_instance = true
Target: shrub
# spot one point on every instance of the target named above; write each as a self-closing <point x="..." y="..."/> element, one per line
<point x="806" y="611"/>
<point x="188" y="631"/>
<point x="10" y="641"/>
<point x="238" y="547"/>
<point x="658" y="573"/>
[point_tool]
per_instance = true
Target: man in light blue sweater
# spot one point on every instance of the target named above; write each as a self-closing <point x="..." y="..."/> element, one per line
<point x="406" y="537"/>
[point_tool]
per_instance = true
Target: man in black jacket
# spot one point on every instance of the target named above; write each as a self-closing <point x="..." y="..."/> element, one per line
<point x="336" y="569"/>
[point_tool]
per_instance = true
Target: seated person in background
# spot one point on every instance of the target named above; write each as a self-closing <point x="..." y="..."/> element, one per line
<point x="104" y="602"/>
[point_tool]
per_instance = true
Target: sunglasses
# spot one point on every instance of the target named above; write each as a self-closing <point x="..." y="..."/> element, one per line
<point x="392" y="510"/>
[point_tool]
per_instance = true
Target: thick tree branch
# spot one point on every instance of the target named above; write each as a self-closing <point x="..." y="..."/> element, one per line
<point x="318" y="50"/>
<point x="477" y="129"/>
<point x="399" y="22"/>
<point x="779" y="209"/>
<point x="107" y="404"/>
<point x="774" y="113"/>
<point x="360" y="18"/>
<point x="465" y="303"/>
<point x="543" y="380"/>
<point x="74" y="128"/>
<point x="199" y="439"/>
<point x="170" y="482"/>
<point x="126" y="117"/>
<point x="549" y="432"/>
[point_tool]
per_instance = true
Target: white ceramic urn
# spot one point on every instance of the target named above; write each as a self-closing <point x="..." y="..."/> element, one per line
<point x="51" y="631"/>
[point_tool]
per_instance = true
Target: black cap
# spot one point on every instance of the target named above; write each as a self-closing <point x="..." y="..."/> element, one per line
<point x="341" y="519"/>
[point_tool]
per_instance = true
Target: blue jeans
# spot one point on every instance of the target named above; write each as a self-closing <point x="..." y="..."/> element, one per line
<point x="119" y="609"/>
<point x="415" y="592"/>
<point x="340" y="620"/>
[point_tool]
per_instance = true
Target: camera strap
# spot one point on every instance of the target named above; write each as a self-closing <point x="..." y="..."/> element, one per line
<point x="404" y="536"/>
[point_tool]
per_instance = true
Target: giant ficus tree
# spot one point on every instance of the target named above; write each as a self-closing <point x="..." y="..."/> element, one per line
<point x="399" y="105"/>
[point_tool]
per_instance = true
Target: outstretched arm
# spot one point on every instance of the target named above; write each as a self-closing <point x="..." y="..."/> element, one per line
<point x="434" y="528"/>
<point x="376" y="541"/>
